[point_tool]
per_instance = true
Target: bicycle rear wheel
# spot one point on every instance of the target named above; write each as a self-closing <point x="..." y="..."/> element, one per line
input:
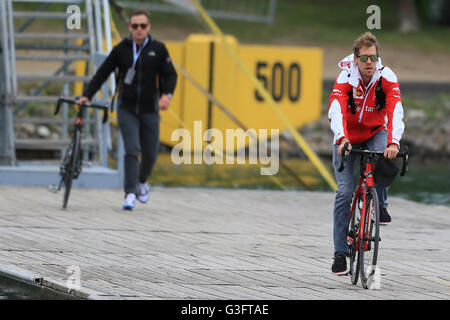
<point x="368" y="249"/>
<point x="71" y="163"/>
<point x="352" y="240"/>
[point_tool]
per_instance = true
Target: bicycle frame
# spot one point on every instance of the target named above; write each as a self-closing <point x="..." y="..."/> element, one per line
<point x="362" y="230"/>
<point x="71" y="166"/>
<point x="366" y="181"/>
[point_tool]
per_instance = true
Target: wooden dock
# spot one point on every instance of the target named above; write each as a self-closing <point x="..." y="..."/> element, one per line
<point x="191" y="243"/>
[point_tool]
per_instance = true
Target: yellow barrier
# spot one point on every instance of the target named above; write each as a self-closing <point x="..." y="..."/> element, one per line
<point x="267" y="97"/>
<point x="292" y="74"/>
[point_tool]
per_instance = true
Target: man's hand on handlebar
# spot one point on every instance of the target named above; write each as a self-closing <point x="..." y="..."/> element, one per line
<point x="341" y="146"/>
<point x="84" y="100"/>
<point x="391" y="151"/>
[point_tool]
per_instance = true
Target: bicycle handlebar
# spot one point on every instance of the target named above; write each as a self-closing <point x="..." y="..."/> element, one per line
<point x="402" y="154"/>
<point x="83" y="105"/>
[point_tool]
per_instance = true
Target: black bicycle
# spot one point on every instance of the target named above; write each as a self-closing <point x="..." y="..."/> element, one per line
<point x="71" y="165"/>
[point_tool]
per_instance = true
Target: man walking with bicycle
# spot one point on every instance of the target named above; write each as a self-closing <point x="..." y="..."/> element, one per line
<point x="144" y="67"/>
<point x="365" y="109"/>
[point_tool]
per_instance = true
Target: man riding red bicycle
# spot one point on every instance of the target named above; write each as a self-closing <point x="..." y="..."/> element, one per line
<point x="365" y="109"/>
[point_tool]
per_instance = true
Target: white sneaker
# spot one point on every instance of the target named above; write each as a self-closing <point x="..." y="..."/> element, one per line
<point x="144" y="192"/>
<point x="129" y="202"/>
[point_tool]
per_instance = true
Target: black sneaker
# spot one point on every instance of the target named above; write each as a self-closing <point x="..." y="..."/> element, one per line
<point x="385" y="218"/>
<point x="339" y="266"/>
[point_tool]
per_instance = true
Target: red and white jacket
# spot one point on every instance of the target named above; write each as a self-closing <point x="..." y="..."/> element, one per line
<point x="367" y="120"/>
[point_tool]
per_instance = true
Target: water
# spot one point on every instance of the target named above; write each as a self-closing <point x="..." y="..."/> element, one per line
<point x="427" y="184"/>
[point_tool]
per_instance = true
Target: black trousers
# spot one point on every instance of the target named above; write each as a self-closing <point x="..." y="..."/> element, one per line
<point x="140" y="133"/>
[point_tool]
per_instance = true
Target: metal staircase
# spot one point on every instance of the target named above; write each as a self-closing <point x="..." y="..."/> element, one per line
<point x="28" y="57"/>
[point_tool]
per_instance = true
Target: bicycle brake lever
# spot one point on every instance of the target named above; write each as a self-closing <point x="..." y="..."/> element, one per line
<point x="344" y="155"/>
<point x="405" y="161"/>
<point x="105" y="115"/>
<point x="58" y="106"/>
<point x="405" y="165"/>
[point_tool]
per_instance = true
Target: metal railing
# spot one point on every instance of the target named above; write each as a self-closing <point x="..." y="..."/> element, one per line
<point x="16" y="34"/>
<point x="7" y="92"/>
<point x="262" y="11"/>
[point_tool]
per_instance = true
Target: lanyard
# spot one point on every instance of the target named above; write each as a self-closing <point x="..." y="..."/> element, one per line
<point x="137" y="53"/>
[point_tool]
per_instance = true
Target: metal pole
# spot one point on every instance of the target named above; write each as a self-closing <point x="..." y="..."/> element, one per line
<point x="91" y="29"/>
<point x="13" y="50"/>
<point x="7" y="151"/>
<point x="92" y="48"/>
<point x="98" y="26"/>
<point x="107" y="143"/>
<point x="98" y="130"/>
<point x="271" y="14"/>
<point x="108" y="37"/>
<point x="5" y="49"/>
<point x="65" y="106"/>
<point x="8" y="142"/>
<point x="107" y="25"/>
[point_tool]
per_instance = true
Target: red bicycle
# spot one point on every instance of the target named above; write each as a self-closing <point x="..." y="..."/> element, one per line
<point x="364" y="228"/>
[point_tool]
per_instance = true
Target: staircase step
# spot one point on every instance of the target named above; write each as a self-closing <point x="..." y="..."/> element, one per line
<point x="44" y="15"/>
<point x="52" y="78"/>
<point x="51" y="46"/>
<point x="51" y="1"/>
<point x="39" y="99"/>
<point x="43" y="175"/>
<point x="51" y="36"/>
<point x="50" y="121"/>
<point x="53" y="57"/>
<point x="48" y="144"/>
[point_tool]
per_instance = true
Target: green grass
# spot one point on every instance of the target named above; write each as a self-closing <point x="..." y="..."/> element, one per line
<point x="425" y="184"/>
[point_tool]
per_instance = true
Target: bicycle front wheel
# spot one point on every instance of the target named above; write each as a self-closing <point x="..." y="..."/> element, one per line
<point x="352" y="238"/>
<point x="71" y="164"/>
<point x="368" y="249"/>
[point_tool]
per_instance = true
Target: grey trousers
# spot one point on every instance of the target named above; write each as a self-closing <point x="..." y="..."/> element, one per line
<point x="140" y="133"/>
<point x="346" y="186"/>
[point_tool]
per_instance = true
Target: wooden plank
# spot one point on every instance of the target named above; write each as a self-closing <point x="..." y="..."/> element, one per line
<point x="182" y="246"/>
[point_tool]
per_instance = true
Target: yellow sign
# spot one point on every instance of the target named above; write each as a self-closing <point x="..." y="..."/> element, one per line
<point x="292" y="76"/>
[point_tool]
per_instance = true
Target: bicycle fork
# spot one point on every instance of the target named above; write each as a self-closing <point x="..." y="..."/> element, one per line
<point x="360" y="235"/>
